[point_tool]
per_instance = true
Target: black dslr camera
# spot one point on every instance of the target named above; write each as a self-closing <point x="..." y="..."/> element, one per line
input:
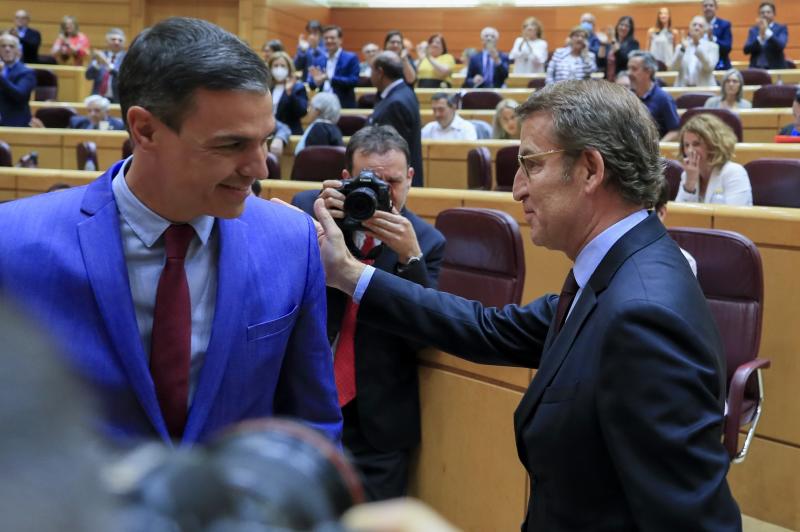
<point x="364" y="194"/>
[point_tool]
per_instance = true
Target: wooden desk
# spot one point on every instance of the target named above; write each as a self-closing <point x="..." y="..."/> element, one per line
<point x="56" y="147"/>
<point x="72" y="83"/>
<point x="113" y="110"/>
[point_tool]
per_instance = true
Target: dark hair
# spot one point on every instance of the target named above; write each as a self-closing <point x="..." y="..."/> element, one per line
<point x="629" y="20"/>
<point x="333" y="27"/>
<point x="663" y="195"/>
<point x="797" y="96"/>
<point x="375" y="139"/>
<point x="275" y="45"/>
<point x="762" y="4"/>
<point x="168" y="62"/>
<point x="390" y="63"/>
<point x="452" y="98"/>
<point x="441" y="38"/>
<point x="314" y="25"/>
<point x="391" y="34"/>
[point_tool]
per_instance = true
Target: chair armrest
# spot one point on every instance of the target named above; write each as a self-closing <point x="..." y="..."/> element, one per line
<point x="735" y="399"/>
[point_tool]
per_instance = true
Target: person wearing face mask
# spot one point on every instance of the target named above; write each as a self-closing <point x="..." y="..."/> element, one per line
<point x="596" y="39"/>
<point x="289" y="97"/>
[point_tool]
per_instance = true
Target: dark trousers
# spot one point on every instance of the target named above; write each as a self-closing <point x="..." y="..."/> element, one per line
<point x="383" y="473"/>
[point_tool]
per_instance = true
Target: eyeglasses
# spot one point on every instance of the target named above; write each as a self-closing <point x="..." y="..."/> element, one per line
<point x="525" y="160"/>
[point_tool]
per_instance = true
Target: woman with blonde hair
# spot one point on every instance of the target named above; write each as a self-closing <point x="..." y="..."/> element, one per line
<point x="505" y="124"/>
<point x="529" y="52"/>
<point x="707" y="144"/>
<point x="731" y="93"/>
<point x="661" y="38"/>
<point x="71" y="47"/>
<point x="289" y="96"/>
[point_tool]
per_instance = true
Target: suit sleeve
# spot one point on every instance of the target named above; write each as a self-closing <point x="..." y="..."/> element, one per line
<point x="511" y="336"/>
<point x="472" y="71"/>
<point x="306" y="388"/>
<point x="777" y="42"/>
<point x="725" y="40"/>
<point x="751" y="45"/>
<point x="93" y="72"/>
<point x="19" y="90"/>
<point x="501" y="70"/>
<point x="347" y="76"/>
<point x="297" y="102"/>
<point x="660" y="412"/>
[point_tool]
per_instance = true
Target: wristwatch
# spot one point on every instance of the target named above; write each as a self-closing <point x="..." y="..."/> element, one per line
<point x="412" y="261"/>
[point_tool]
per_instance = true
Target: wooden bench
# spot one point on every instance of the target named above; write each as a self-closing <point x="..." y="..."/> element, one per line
<point x="56" y="147"/>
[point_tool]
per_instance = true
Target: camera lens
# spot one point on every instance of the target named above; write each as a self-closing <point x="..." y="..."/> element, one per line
<point x="361" y="203"/>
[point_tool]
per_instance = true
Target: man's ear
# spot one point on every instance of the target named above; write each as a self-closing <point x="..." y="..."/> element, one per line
<point x="142" y="125"/>
<point x="594" y="167"/>
<point x="345" y="174"/>
<point x="410" y="174"/>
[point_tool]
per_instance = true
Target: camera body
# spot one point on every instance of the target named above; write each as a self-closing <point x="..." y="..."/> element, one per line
<point x="364" y="194"/>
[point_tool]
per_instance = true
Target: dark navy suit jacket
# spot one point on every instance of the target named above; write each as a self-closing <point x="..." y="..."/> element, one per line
<point x="30" y="46"/>
<point x="15" y="93"/>
<point x="292" y="107"/>
<point x="83" y="122"/>
<point x="620" y="428"/>
<point x="773" y="47"/>
<point x="476" y="67"/>
<point x="386" y="364"/>
<point x="345" y="77"/>
<point x="400" y="109"/>
<point x="61" y="258"/>
<point x="724" y="39"/>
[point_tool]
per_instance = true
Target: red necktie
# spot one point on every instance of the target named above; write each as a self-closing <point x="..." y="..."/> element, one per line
<point x="565" y="299"/>
<point x="344" y="366"/>
<point x="103" y="89"/>
<point x="172" y="332"/>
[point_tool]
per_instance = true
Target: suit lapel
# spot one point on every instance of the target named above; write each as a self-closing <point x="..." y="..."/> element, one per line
<point x="227" y="333"/>
<point x="101" y="247"/>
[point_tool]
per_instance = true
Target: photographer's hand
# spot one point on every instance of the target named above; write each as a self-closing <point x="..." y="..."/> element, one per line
<point x="334" y="200"/>
<point x="342" y="270"/>
<point x="395" y="231"/>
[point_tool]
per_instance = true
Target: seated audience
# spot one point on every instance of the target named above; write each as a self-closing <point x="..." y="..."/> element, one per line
<point x="309" y="47"/>
<point x="487" y="69"/>
<point x="289" y="97"/>
<point x="71" y="47"/>
<point x="661" y="210"/>
<point x="324" y="112"/>
<point x="447" y="125"/>
<point x="436" y="65"/>
<point x="505" y="125"/>
<point x="29" y="38"/>
<point x="622" y="43"/>
<point x="104" y="68"/>
<point x="271" y="47"/>
<point x="368" y="52"/>
<point x="574" y="61"/>
<point x="707" y="145"/>
<point x="695" y="58"/>
<point x="16" y="84"/>
<point x="642" y="68"/>
<point x="529" y="52"/>
<point x="337" y="71"/>
<point x="731" y="93"/>
<point x="661" y="38"/>
<point x="766" y="40"/>
<point x="793" y="129"/>
<point x="394" y="42"/>
<point x="97" y="116"/>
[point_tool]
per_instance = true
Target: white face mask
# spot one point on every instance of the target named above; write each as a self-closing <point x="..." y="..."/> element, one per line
<point x="280" y="73"/>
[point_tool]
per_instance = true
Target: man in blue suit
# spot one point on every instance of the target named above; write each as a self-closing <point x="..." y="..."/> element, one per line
<point x="766" y="40"/>
<point x="104" y="68"/>
<point x="338" y="71"/>
<point x="620" y="428"/>
<point x="719" y="31"/>
<point x="16" y="84"/>
<point x="488" y="69"/>
<point x="187" y="304"/>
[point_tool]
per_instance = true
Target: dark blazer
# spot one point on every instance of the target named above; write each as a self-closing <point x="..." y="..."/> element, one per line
<point x="15" y="93"/>
<point x="304" y="59"/>
<point x="620" y="428"/>
<point x="61" y="257"/>
<point x="292" y="107"/>
<point x="773" y="47"/>
<point x="30" y="46"/>
<point x="400" y="109"/>
<point x="324" y="134"/>
<point x="724" y="39"/>
<point x="345" y="77"/>
<point x="621" y="55"/>
<point x="386" y="364"/>
<point x="83" y="122"/>
<point x="476" y="67"/>
<point x="95" y="72"/>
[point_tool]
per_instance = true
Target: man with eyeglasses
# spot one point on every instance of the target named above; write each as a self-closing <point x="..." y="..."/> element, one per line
<point x="620" y="428"/>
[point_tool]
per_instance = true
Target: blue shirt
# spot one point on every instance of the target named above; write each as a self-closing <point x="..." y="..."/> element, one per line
<point x="143" y="246"/>
<point x="663" y="109"/>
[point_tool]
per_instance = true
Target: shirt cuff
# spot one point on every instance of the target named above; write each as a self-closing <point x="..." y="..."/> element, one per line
<point x="363" y="283"/>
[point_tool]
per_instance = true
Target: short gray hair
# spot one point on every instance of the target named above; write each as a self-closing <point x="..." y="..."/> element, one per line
<point x="102" y="101"/>
<point x="648" y="61"/>
<point x="594" y="114"/>
<point x="328" y="106"/>
<point x="115" y="31"/>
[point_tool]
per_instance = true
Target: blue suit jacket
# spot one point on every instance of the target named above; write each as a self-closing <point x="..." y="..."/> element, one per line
<point x="773" y="47"/>
<point x="476" y="67"/>
<point x="400" y="109"/>
<point x="620" y="428"/>
<point x="345" y="77"/>
<point x="724" y="39"/>
<point x="83" y="122"/>
<point x="15" y="93"/>
<point x="61" y="257"/>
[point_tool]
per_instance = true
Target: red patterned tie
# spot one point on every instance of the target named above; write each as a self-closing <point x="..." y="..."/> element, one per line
<point x="104" y="81"/>
<point x="565" y="299"/>
<point x="172" y="332"/>
<point x="344" y="360"/>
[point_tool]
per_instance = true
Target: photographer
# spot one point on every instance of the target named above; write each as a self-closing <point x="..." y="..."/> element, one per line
<point x="376" y="373"/>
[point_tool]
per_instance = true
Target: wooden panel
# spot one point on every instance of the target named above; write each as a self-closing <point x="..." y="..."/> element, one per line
<point x="56" y="147"/>
<point x="80" y="107"/>
<point x="224" y="13"/>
